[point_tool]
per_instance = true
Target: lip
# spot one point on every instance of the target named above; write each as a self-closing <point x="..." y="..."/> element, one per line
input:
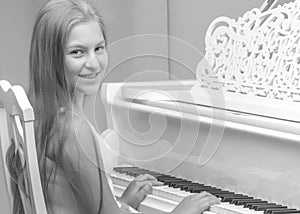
<point x="89" y="76"/>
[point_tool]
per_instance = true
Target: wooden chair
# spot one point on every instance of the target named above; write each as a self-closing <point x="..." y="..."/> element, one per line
<point x="17" y="127"/>
<point x="5" y="196"/>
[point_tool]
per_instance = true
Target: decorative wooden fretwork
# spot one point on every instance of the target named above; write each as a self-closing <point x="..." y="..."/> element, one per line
<point x="258" y="54"/>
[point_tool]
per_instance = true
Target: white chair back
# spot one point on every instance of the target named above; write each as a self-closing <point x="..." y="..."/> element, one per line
<point x="17" y="126"/>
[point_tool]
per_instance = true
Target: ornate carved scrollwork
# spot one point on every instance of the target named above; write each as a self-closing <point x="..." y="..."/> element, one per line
<point x="258" y="54"/>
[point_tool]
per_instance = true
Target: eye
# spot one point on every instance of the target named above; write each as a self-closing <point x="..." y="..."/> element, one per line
<point x="100" y="49"/>
<point x="76" y="53"/>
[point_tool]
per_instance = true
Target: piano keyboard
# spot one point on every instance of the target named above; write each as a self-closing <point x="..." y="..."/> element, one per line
<point x="166" y="197"/>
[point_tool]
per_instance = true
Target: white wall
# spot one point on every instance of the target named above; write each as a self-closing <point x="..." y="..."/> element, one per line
<point x="16" y="23"/>
<point x="129" y="45"/>
<point x="127" y="23"/>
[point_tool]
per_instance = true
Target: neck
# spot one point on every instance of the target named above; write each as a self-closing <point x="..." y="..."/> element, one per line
<point x="79" y="101"/>
<point x="85" y="104"/>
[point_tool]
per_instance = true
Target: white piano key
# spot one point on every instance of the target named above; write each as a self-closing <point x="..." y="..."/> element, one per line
<point x="209" y="212"/>
<point x="166" y="192"/>
<point x="232" y="209"/>
<point x="227" y="208"/>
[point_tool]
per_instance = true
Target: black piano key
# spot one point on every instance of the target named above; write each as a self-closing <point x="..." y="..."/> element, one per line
<point x="207" y="189"/>
<point x="190" y="183"/>
<point x="244" y="201"/>
<point x="265" y="208"/>
<point x="168" y="181"/>
<point x="199" y="190"/>
<point x="272" y="210"/>
<point x="128" y="171"/>
<point x="136" y="173"/>
<point x="195" y="186"/>
<point x="165" y="177"/>
<point x="234" y="195"/>
<point x="250" y="204"/>
<point x="286" y="211"/>
<point x="216" y="191"/>
<point x="188" y="187"/>
<point x="262" y="207"/>
<point x="179" y="184"/>
<point x="154" y="174"/>
<point x="172" y="179"/>
<point x="123" y="169"/>
<point x="230" y="197"/>
<point x="224" y="193"/>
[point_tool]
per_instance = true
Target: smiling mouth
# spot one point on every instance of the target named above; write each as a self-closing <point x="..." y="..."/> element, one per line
<point x="89" y="76"/>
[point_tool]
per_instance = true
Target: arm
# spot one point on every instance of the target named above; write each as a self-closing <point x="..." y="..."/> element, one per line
<point x="82" y="166"/>
<point x="138" y="189"/>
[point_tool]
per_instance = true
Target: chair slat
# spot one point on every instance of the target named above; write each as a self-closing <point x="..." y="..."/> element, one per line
<point x="17" y="115"/>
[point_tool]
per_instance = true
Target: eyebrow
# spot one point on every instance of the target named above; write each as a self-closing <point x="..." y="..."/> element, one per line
<point x="79" y="45"/>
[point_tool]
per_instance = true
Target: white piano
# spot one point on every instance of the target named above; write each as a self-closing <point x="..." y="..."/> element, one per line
<point x="236" y="128"/>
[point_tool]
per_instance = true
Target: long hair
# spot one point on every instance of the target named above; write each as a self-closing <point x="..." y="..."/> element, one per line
<point x="50" y="91"/>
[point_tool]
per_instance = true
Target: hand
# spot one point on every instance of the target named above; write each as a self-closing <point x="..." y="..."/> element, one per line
<point x="138" y="189"/>
<point x="196" y="203"/>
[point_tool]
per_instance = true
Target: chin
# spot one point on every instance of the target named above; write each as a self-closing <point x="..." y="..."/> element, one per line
<point x="89" y="90"/>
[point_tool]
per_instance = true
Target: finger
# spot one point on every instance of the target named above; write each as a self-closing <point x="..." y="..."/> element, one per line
<point x="204" y="194"/>
<point x="157" y="183"/>
<point x="150" y="178"/>
<point x="217" y="200"/>
<point x="142" y="183"/>
<point x="206" y="201"/>
<point x="204" y="197"/>
<point x="205" y="204"/>
<point x="147" y="188"/>
<point x="145" y="177"/>
<point x="142" y="193"/>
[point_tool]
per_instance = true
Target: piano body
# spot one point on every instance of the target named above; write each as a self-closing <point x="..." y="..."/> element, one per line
<point x="236" y="127"/>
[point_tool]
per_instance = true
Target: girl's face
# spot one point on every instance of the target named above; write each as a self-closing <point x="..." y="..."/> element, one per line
<point x="86" y="57"/>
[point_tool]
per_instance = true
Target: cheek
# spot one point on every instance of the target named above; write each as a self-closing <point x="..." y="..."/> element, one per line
<point x="103" y="64"/>
<point x="103" y="60"/>
<point x="72" y="68"/>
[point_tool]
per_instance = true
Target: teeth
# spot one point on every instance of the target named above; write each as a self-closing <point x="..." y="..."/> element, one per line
<point x="89" y="76"/>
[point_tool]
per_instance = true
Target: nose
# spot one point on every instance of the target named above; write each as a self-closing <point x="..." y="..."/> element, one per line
<point x="92" y="62"/>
